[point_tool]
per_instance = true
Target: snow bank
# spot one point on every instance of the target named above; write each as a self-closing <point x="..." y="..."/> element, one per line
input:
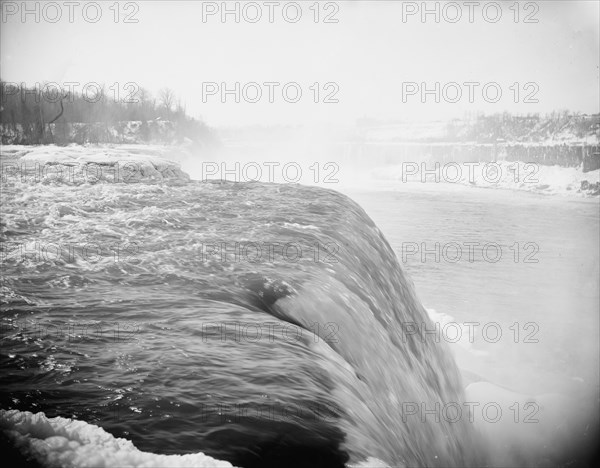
<point x="60" y="442"/>
<point x="502" y="174"/>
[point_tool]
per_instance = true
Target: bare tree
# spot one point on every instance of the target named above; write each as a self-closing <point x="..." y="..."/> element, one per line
<point x="166" y="97"/>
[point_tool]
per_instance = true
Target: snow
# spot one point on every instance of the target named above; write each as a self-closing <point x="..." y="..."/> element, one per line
<point x="501" y="174"/>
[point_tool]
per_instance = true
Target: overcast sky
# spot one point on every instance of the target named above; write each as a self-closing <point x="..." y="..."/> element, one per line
<point x="368" y="54"/>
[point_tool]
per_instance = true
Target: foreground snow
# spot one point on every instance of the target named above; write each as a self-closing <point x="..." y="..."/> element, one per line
<point x="63" y="442"/>
<point x="59" y="442"/>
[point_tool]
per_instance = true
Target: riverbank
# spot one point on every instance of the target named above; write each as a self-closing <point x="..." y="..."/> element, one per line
<point x="133" y="163"/>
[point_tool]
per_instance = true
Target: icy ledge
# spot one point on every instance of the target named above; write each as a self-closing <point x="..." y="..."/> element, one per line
<point x="77" y="164"/>
<point x="60" y="442"/>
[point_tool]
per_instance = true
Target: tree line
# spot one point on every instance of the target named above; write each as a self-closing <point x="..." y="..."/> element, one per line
<point x="37" y="111"/>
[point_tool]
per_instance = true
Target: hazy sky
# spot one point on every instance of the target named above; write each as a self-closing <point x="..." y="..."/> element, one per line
<point x="370" y="54"/>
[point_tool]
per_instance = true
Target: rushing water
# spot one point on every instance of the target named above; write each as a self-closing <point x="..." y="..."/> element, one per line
<point x="153" y="363"/>
<point x="151" y="324"/>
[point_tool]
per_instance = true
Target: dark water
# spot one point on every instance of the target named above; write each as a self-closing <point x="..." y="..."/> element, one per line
<point x="294" y="357"/>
